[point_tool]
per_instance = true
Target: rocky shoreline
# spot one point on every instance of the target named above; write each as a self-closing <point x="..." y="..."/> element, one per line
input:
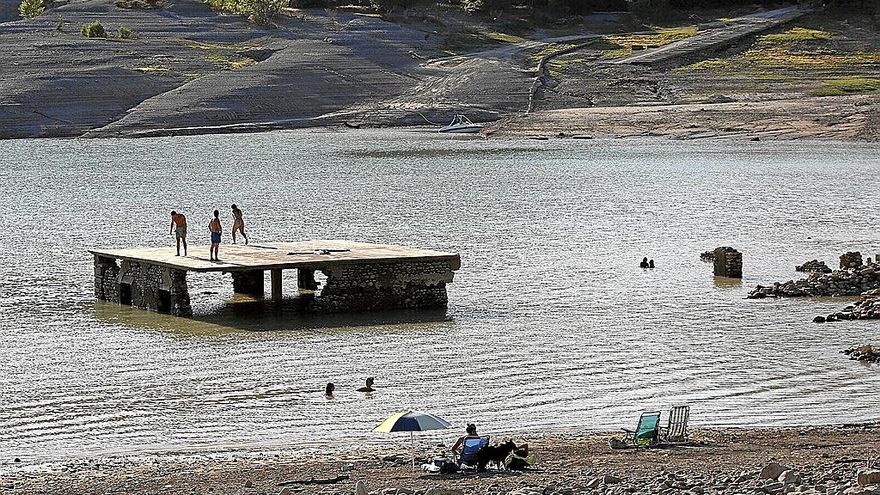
<point x="829" y="460"/>
<point x="852" y="281"/>
<point x="867" y="353"/>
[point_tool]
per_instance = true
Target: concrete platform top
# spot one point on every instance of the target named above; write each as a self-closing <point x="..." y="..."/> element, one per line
<point x="278" y="255"/>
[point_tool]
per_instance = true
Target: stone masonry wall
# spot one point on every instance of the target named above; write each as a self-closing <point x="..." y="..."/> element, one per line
<point x="728" y="262"/>
<point x="106" y="279"/>
<point x="249" y="282"/>
<point x="383" y="286"/>
<point x="142" y="285"/>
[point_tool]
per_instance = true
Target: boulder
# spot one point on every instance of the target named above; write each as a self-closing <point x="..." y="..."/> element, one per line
<point x="869" y="477"/>
<point x="610" y="479"/>
<point x="444" y="491"/>
<point x="772" y="471"/>
<point x="789" y="477"/>
<point x="360" y="488"/>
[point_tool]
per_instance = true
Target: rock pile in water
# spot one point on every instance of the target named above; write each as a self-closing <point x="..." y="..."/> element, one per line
<point x="813" y="266"/>
<point x="866" y="308"/>
<point x="867" y="353"/>
<point x="848" y="282"/>
<point x="851" y="260"/>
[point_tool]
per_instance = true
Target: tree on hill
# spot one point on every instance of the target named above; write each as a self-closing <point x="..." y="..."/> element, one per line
<point x="31" y="8"/>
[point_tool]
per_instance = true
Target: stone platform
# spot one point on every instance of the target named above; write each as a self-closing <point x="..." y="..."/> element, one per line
<point x="359" y="276"/>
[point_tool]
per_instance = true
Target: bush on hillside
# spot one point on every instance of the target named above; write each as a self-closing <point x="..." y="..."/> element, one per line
<point x="123" y="32"/>
<point x="29" y="9"/>
<point x="257" y="11"/>
<point x="94" y="30"/>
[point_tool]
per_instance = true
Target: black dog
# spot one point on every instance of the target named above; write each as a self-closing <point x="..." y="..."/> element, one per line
<point x="494" y="454"/>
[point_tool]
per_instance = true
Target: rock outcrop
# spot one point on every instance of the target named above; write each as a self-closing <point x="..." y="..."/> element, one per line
<point x="847" y="282"/>
<point x="813" y="266"/>
<point x="867" y="353"/>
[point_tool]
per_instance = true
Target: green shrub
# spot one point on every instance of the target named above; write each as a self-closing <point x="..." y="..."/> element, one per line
<point x="123" y="32"/>
<point x="94" y="30"/>
<point x="257" y="11"/>
<point x="29" y="9"/>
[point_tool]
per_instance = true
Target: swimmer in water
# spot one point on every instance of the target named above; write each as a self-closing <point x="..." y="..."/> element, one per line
<point x="328" y="390"/>
<point x="369" y="387"/>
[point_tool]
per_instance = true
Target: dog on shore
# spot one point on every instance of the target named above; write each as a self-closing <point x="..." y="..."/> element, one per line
<point x="494" y="454"/>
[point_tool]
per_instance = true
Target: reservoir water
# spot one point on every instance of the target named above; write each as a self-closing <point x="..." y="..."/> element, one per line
<point x="551" y="323"/>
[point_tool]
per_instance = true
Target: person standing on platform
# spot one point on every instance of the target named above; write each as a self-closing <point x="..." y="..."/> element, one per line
<point x="178" y="228"/>
<point x="238" y="224"/>
<point x="216" y="231"/>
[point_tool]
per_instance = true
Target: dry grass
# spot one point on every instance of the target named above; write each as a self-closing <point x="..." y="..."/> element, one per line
<point x="227" y="61"/>
<point x="797" y="49"/>
<point x="628" y="43"/>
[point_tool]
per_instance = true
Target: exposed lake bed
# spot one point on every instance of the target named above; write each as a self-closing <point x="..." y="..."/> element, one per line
<point x="549" y="317"/>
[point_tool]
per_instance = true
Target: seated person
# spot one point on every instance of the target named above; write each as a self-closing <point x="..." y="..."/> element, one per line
<point x="471" y="431"/>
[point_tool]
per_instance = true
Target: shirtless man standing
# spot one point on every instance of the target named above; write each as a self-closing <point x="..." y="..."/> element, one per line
<point x="178" y="228"/>
<point x="216" y="230"/>
<point x="238" y="224"/>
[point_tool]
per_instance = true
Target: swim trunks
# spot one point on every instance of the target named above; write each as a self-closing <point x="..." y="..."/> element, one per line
<point x="180" y="232"/>
<point x="215" y="237"/>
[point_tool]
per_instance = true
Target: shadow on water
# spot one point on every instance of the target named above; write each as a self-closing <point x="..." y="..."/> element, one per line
<point x="262" y="316"/>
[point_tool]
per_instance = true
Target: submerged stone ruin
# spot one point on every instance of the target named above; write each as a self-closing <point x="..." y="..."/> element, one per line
<point x="728" y="262"/>
<point x="358" y="276"/>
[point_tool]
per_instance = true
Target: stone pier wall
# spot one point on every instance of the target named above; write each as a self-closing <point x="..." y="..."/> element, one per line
<point x="383" y="286"/>
<point x="249" y="282"/>
<point x="142" y="285"/>
<point x="106" y="279"/>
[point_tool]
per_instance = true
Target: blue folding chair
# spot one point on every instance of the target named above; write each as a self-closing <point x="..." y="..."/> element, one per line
<point x="469" y="450"/>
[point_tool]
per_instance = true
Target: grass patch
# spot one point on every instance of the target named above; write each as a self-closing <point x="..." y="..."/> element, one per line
<point x="229" y="61"/>
<point x="629" y="43"/>
<point x="504" y="37"/>
<point x="848" y="86"/>
<point x="763" y="59"/>
<point x="795" y="35"/>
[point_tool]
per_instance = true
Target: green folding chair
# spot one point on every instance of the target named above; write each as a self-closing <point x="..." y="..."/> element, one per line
<point x="647" y="432"/>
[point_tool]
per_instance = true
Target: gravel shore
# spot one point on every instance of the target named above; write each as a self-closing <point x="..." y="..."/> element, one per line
<point x="816" y="460"/>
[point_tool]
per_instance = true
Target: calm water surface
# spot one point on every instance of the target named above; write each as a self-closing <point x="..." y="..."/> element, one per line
<point x="551" y="323"/>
